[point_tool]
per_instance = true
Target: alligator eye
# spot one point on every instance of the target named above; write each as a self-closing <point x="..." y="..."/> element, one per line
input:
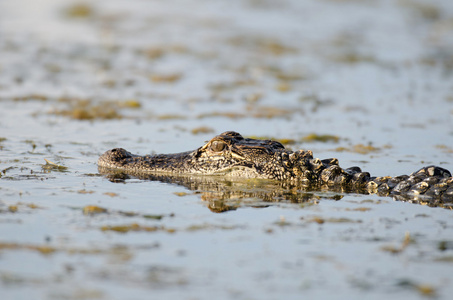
<point x="217" y="146"/>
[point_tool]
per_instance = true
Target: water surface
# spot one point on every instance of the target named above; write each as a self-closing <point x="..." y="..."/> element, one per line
<point x="77" y="79"/>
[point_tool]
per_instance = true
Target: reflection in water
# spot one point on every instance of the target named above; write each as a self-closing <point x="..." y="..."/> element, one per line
<point x="224" y="194"/>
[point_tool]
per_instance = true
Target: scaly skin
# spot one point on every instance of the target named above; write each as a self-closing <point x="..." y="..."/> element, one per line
<point x="229" y="154"/>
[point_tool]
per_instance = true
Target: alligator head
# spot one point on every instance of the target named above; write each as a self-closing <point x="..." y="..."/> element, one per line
<point x="228" y="154"/>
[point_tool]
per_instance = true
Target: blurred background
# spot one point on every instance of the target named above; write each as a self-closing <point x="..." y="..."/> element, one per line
<point x="367" y="81"/>
<point x="356" y="72"/>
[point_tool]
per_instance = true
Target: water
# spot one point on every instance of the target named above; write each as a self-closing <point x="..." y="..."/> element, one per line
<point x="77" y="79"/>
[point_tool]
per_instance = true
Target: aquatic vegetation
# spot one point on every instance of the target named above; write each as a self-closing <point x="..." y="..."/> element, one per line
<point x="155" y="217"/>
<point x="359" y="148"/>
<point x="84" y="191"/>
<point x="87" y="109"/>
<point x="171" y="117"/>
<point x="202" y="130"/>
<point x="207" y="226"/>
<point x="283" y="141"/>
<point x="135" y="227"/>
<point x="324" y="138"/>
<point x="321" y="220"/>
<point x="19" y="207"/>
<point x="265" y="45"/>
<point x="79" y="11"/>
<point x="12" y="208"/>
<point x="93" y="209"/>
<point x="283" y="87"/>
<point x="424" y="289"/>
<point x="31" y="97"/>
<point x="404" y="244"/>
<point x="180" y="194"/>
<point x="111" y="194"/>
<point x="445" y="245"/>
<point x="230" y="115"/>
<point x="51" y="166"/>
<point x="353" y="58"/>
<point x="43" y="249"/>
<point x="165" y="78"/>
<point x="445" y="148"/>
<point x="362" y="209"/>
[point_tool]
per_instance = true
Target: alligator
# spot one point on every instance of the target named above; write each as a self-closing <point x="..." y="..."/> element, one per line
<point x="231" y="155"/>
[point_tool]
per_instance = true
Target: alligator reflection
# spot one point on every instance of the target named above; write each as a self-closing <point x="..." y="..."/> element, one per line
<point x="225" y="194"/>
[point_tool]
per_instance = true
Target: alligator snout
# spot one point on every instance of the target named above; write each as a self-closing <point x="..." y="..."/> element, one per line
<point x="116" y="155"/>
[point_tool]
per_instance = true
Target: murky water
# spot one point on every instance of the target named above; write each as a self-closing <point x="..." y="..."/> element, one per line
<point x="77" y="79"/>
